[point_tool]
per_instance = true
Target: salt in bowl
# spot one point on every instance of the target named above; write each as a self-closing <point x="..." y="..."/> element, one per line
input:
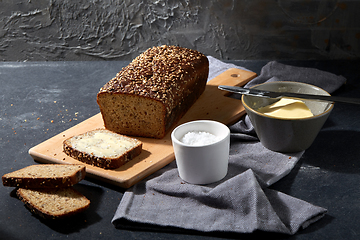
<point x="201" y="159"/>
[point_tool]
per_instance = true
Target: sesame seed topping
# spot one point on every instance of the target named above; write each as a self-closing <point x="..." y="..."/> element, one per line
<point x="160" y="73"/>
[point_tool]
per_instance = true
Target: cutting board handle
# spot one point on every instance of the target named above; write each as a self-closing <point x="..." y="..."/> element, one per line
<point x="232" y="77"/>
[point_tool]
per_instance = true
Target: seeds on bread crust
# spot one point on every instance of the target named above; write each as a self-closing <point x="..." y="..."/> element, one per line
<point x="164" y="81"/>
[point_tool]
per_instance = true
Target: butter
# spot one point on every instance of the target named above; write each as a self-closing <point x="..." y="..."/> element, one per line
<point x="287" y="108"/>
<point x="103" y="145"/>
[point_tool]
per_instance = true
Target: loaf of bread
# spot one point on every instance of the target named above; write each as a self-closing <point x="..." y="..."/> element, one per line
<point x="102" y="148"/>
<point x="53" y="203"/>
<point x="45" y="176"/>
<point x="154" y="91"/>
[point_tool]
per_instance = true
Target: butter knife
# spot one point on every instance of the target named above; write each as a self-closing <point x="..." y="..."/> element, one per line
<point x="269" y="94"/>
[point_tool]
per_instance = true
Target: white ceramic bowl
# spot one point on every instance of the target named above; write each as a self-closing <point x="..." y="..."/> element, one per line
<point x="203" y="164"/>
<point x="287" y="135"/>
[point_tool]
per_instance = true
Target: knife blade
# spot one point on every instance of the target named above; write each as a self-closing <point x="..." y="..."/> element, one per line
<point x="271" y="94"/>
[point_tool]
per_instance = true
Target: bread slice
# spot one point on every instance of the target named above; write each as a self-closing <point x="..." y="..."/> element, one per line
<point x="102" y="148"/>
<point x="45" y="176"/>
<point x="53" y="203"/>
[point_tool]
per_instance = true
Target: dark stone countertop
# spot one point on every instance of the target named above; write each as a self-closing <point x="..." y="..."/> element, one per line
<point x="42" y="99"/>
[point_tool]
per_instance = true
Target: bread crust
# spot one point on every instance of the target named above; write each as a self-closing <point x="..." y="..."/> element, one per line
<point x="29" y="177"/>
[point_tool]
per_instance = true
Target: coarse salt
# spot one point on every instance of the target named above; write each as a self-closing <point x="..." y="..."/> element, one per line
<point x="196" y="138"/>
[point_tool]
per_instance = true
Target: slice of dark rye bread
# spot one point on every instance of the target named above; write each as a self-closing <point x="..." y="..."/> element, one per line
<point x="47" y="190"/>
<point x="45" y="176"/>
<point x="55" y="203"/>
<point x="102" y="148"/>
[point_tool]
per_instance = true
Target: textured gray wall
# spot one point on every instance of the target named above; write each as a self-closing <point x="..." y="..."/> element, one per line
<point x="52" y="30"/>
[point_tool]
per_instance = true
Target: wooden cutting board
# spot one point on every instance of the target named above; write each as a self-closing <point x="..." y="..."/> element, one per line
<point x="213" y="104"/>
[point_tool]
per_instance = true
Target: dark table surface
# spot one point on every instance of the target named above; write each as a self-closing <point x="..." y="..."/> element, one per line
<point x="42" y="99"/>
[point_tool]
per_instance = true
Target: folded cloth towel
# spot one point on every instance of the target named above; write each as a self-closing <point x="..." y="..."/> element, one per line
<point x="217" y="67"/>
<point x="241" y="202"/>
<point x="275" y="71"/>
<point x="236" y="204"/>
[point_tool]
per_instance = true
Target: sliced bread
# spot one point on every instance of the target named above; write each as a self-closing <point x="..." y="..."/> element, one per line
<point x="102" y="148"/>
<point x="45" y="176"/>
<point x="53" y="203"/>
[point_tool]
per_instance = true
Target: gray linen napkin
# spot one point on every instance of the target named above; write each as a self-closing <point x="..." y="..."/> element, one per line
<point x="241" y="202"/>
<point x="275" y="71"/>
